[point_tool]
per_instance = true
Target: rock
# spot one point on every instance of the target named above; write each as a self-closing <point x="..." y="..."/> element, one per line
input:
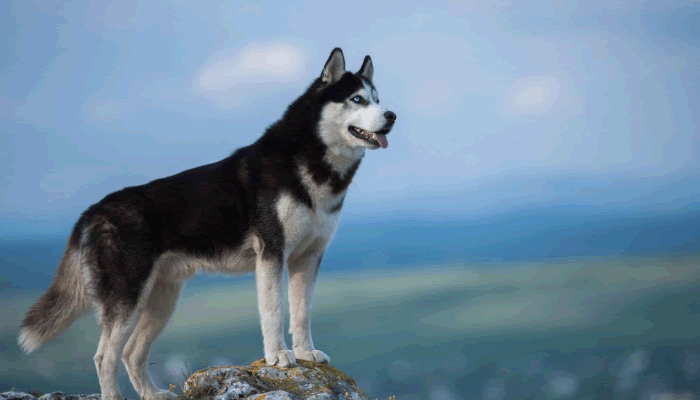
<point x="276" y="395"/>
<point x="48" y="396"/>
<point x="308" y="380"/>
<point x="238" y="390"/>
<point x="63" y="396"/>
<point x="16" y="396"/>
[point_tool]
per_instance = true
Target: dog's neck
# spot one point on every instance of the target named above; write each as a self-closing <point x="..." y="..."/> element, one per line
<point x="334" y="172"/>
<point x="343" y="158"/>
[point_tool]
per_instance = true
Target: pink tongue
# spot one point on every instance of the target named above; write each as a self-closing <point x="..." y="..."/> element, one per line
<point x="381" y="138"/>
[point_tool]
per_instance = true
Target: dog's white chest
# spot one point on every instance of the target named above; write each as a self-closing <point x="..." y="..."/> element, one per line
<point x="305" y="227"/>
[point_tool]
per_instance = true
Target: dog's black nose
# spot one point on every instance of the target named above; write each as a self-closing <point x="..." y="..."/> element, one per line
<point x="390" y="116"/>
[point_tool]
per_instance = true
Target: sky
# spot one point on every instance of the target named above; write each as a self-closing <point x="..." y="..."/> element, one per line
<point x="96" y="96"/>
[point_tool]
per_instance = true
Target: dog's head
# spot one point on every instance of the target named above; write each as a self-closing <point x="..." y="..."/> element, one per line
<point x="351" y="115"/>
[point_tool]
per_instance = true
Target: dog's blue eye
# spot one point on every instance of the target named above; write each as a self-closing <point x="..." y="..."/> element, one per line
<point x="358" y="99"/>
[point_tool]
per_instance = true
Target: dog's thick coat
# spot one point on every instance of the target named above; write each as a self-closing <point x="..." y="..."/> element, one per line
<point x="269" y="206"/>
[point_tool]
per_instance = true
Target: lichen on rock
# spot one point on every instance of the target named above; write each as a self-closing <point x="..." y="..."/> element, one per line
<point x="259" y="381"/>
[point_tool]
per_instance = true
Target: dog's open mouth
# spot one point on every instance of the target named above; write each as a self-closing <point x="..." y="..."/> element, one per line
<point x="378" y="139"/>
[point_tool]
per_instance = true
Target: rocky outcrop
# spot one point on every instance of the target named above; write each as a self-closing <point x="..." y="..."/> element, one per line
<point x="306" y="381"/>
<point x="49" y="396"/>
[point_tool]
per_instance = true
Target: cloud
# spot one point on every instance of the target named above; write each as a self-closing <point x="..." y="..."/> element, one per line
<point x="226" y="74"/>
<point x="532" y="95"/>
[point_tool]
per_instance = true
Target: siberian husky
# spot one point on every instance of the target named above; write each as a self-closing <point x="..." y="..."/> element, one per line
<point x="270" y="206"/>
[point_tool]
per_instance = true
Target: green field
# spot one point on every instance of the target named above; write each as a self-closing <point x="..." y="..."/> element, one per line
<point x="597" y="328"/>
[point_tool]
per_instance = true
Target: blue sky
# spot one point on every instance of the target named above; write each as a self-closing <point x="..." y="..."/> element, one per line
<point x="96" y="96"/>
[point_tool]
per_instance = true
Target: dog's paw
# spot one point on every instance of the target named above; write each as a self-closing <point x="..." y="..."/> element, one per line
<point x="281" y="358"/>
<point x="313" y="355"/>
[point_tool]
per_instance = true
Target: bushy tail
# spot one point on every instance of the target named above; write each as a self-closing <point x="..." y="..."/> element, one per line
<point x="65" y="301"/>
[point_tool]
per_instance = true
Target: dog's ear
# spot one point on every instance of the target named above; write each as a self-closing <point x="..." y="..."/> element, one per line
<point x="334" y="68"/>
<point x="367" y="69"/>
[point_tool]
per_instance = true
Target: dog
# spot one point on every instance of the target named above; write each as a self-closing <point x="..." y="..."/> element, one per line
<point x="270" y="206"/>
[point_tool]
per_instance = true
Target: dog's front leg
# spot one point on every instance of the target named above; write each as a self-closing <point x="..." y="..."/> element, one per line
<point x="302" y="278"/>
<point x="269" y="270"/>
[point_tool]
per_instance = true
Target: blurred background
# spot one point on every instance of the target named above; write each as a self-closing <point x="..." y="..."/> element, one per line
<point x="532" y="231"/>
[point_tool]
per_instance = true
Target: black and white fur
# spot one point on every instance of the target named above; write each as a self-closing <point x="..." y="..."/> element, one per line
<point x="269" y="206"/>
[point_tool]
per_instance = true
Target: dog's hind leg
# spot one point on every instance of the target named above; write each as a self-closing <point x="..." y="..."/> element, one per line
<point x="156" y="313"/>
<point x="120" y="266"/>
<point x="116" y="327"/>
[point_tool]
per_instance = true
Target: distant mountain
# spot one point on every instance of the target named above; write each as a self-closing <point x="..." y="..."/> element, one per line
<point x="561" y="231"/>
<point x="525" y="190"/>
<point x="527" y="234"/>
<point x="515" y="191"/>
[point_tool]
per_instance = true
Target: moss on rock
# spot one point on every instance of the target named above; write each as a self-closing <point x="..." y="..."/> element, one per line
<point x="306" y="380"/>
